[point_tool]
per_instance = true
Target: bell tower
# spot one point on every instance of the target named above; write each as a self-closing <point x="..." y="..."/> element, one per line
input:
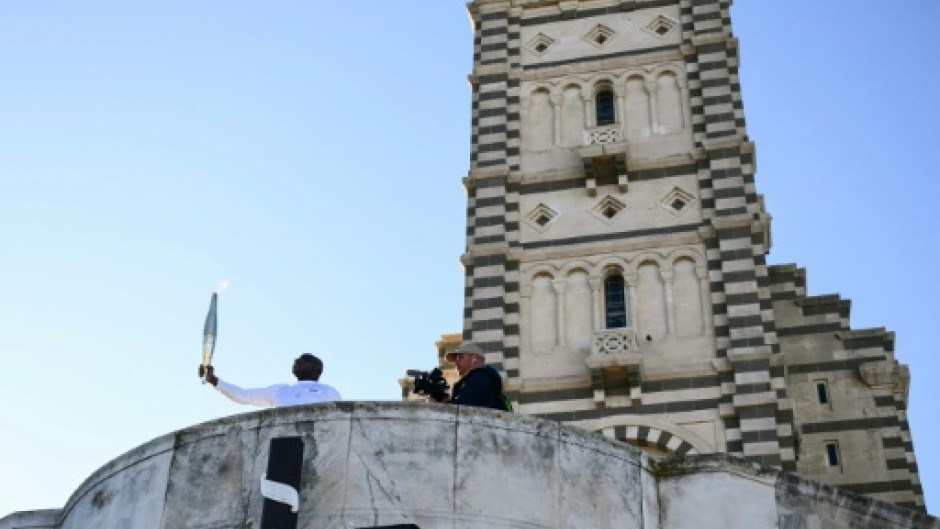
<point x="616" y="251"/>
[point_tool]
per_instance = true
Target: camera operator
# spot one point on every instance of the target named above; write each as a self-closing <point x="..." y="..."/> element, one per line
<point x="479" y="384"/>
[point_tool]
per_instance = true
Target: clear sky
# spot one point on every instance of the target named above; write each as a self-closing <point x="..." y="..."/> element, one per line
<point x="311" y="153"/>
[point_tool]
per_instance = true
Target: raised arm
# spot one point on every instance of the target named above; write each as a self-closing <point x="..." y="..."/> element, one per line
<point x="263" y="397"/>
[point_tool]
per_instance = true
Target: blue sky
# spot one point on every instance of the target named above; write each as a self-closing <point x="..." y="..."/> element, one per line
<point x="310" y="154"/>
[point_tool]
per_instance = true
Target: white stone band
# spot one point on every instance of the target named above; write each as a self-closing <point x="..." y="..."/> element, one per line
<point x="280" y="492"/>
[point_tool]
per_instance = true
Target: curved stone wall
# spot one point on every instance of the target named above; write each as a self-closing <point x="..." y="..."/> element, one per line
<point x="368" y="465"/>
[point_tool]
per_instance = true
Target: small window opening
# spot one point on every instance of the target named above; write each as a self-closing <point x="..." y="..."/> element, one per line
<point x="662" y="30"/>
<point x="600" y="39"/>
<point x="615" y="302"/>
<point x="540" y="47"/>
<point x="604" y="103"/>
<point x="822" y="392"/>
<point x="542" y="220"/>
<point x="832" y="454"/>
<point x="678" y="204"/>
<point x="610" y="212"/>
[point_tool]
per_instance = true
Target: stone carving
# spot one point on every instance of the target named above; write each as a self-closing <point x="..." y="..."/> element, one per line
<point x="602" y="135"/>
<point x="614" y="342"/>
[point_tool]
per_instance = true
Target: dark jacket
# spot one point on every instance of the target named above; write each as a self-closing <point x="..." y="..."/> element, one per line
<point x="481" y="387"/>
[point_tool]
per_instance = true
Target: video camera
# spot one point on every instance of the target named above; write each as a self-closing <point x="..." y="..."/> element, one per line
<point x="432" y="384"/>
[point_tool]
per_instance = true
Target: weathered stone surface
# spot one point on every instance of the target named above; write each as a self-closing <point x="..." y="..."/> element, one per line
<point x="713" y="492"/>
<point x="128" y="492"/>
<point x="603" y="467"/>
<point x="206" y="477"/>
<point x="803" y="503"/>
<point x="436" y="466"/>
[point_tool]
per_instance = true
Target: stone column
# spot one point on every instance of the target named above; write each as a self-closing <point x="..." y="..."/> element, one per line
<point x="597" y="303"/>
<point x="668" y="284"/>
<point x="652" y="95"/>
<point x="589" y="114"/>
<point x="686" y="104"/>
<point x="556" y="100"/>
<point x="620" y="91"/>
<point x="561" y="322"/>
<point x="701" y="272"/>
<point x="631" y="281"/>
<point x="525" y="315"/>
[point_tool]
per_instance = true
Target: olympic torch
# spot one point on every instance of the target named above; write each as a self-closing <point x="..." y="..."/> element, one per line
<point x="208" y="334"/>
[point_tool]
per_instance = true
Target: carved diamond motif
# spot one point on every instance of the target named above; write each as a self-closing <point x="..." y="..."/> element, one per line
<point x="600" y="35"/>
<point x="540" y="217"/>
<point x="540" y="44"/>
<point x="608" y="208"/>
<point x="661" y="26"/>
<point x="677" y="201"/>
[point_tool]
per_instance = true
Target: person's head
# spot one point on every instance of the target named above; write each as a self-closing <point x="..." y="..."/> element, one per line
<point x="466" y="357"/>
<point x="308" y="367"/>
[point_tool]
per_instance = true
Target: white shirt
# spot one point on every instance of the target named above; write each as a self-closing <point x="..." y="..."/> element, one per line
<point x="280" y="395"/>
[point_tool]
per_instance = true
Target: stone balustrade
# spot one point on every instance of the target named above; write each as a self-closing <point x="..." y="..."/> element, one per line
<point x="603" y="135"/>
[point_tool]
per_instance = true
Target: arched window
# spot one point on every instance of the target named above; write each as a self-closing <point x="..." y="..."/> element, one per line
<point x="615" y="302"/>
<point x="604" y="107"/>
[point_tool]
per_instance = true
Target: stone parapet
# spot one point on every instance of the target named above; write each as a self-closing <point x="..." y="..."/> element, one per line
<point x="368" y="465"/>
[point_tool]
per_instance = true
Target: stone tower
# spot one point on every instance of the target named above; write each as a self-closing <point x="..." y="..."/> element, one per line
<point x="616" y="252"/>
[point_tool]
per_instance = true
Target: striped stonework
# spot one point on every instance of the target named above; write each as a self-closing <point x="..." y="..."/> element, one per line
<point x="615" y="261"/>
<point x="757" y="411"/>
<point x="491" y="269"/>
<point x="645" y="436"/>
<point x="846" y="362"/>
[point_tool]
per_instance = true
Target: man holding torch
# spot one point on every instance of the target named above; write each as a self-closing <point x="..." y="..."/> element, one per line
<point x="307" y="389"/>
<point x="307" y="369"/>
